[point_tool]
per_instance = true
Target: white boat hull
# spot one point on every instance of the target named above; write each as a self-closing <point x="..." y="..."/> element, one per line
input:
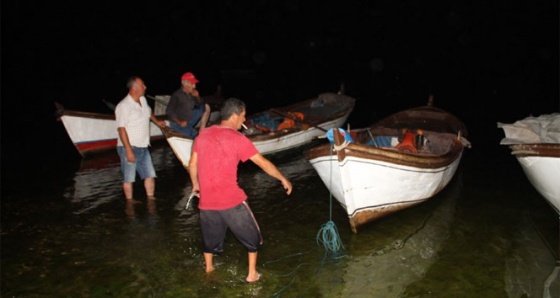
<point x="182" y="146"/>
<point x="535" y="142"/>
<point x="283" y="139"/>
<point x="297" y="139"/>
<point x="544" y="174"/>
<point x="96" y="132"/>
<point x="92" y="135"/>
<point x="361" y="184"/>
<point x="400" y="161"/>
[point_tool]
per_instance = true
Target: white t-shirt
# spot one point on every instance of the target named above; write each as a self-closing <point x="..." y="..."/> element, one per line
<point x="135" y="119"/>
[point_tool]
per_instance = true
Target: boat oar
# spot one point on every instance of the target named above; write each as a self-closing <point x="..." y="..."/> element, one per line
<point x="157" y="99"/>
<point x="304" y="123"/>
<point x="109" y="104"/>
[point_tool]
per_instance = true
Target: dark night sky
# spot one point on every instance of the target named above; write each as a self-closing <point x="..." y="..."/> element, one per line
<point x="485" y="61"/>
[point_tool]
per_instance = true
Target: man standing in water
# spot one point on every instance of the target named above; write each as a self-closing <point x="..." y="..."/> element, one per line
<point x="215" y="155"/>
<point x="133" y="115"/>
<point x="186" y="108"/>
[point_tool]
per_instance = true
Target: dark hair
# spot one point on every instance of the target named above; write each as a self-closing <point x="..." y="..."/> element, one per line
<point x="231" y="106"/>
<point x="130" y="82"/>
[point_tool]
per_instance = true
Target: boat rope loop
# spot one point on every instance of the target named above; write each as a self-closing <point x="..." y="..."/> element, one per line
<point x="341" y="146"/>
<point x="328" y="233"/>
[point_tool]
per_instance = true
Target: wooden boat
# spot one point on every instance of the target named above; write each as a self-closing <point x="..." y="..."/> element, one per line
<point x="94" y="133"/>
<point x="396" y="163"/>
<point x="279" y="129"/>
<point x="535" y="142"/>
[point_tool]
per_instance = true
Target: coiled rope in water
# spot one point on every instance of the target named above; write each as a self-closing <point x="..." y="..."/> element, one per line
<point x="329" y="237"/>
<point x="328" y="233"/>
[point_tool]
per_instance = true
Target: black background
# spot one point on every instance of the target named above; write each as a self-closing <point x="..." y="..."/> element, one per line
<point x="485" y="61"/>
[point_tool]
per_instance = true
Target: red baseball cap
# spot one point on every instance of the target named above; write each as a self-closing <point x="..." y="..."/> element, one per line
<point x="189" y="76"/>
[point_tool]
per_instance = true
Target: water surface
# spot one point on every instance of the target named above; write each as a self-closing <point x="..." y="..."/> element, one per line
<point x="71" y="234"/>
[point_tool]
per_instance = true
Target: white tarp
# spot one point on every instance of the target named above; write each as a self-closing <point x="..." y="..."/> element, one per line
<point x="532" y="130"/>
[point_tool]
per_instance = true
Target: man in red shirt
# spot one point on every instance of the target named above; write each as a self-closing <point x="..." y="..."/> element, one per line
<point x="215" y="155"/>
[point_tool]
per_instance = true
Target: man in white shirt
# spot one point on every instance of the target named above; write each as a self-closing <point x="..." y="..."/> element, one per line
<point x="133" y="115"/>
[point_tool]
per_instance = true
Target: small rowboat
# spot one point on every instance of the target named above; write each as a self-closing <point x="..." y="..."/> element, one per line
<point x="535" y="142"/>
<point x="279" y="129"/>
<point x="396" y="163"/>
<point x="94" y="133"/>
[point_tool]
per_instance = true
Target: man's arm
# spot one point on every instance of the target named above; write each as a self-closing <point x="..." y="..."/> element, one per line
<point x="130" y="157"/>
<point x="193" y="171"/>
<point x="269" y="168"/>
<point x="158" y="122"/>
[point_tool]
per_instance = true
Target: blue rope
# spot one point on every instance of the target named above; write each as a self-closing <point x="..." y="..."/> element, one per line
<point x="328" y="233"/>
<point x="329" y="237"/>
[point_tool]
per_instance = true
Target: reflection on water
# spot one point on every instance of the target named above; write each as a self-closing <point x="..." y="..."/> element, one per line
<point x="95" y="183"/>
<point x="80" y="238"/>
<point x="387" y="265"/>
<point x="530" y="270"/>
<point x="98" y="181"/>
<point x="150" y="205"/>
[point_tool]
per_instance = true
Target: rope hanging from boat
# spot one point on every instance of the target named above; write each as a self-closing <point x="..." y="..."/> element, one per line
<point x="328" y="233"/>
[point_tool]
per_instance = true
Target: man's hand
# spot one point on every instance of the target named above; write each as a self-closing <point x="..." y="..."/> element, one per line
<point x="287" y="186"/>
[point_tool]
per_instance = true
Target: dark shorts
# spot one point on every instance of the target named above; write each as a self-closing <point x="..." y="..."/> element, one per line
<point x="240" y="221"/>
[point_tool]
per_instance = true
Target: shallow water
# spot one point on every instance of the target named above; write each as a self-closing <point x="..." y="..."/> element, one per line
<point x="71" y="234"/>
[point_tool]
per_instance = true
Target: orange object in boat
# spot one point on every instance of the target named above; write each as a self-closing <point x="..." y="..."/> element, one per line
<point x="289" y="122"/>
<point x="408" y="143"/>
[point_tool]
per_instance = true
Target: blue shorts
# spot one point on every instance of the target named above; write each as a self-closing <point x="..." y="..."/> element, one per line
<point x="143" y="164"/>
<point x="240" y="221"/>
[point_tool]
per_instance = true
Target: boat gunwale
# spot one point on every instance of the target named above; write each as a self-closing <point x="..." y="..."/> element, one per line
<point x="535" y="150"/>
<point x="390" y="155"/>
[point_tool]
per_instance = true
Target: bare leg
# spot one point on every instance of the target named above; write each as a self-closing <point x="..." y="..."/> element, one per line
<point x="253" y="274"/>
<point x="127" y="188"/>
<point x="151" y="206"/>
<point x="129" y="210"/>
<point x="208" y="258"/>
<point x="150" y="185"/>
<point x="205" y="117"/>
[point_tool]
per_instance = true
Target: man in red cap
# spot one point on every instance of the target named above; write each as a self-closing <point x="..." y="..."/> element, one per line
<point x="186" y="108"/>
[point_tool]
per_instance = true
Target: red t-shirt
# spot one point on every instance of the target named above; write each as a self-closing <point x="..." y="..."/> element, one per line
<point x="219" y="150"/>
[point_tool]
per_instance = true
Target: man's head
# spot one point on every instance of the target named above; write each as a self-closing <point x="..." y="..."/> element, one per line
<point x="136" y="86"/>
<point x="233" y="111"/>
<point x="188" y="80"/>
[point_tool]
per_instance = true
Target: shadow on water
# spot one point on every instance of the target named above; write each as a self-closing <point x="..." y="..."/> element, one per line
<point x="79" y="238"/>
<point x="389" y="255"/>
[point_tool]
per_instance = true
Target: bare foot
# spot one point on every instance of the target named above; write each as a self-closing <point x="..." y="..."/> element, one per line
<point x="208" y="270"/>
<point x="253" y="278"/>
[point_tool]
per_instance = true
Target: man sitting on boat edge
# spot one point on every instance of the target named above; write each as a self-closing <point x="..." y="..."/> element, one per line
<point x="186" y="108"/>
